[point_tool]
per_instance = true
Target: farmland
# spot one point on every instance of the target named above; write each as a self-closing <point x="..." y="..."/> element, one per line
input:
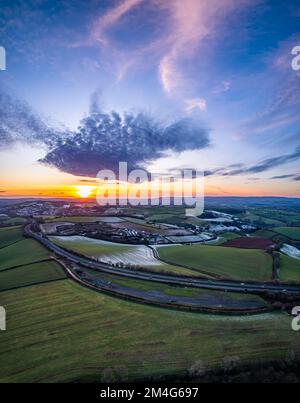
<point x="234" y="263"/>
<point x="9" y="235"/>
<point x="24" y="261"/>
<point x="63" y="332"/>
<point x="289" y="269"/>
<point x="58" y="330"/>
<point x="250" y="243"/>
<point x="290" y="232"/>
<point x="24" y="252"/>
<point x="31" y="274"/>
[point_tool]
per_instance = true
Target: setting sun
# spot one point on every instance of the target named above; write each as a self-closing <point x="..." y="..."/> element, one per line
<point x="84" y="191"/>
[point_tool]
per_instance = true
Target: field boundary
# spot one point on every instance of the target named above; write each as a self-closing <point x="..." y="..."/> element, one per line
<point x="25" y="264"/>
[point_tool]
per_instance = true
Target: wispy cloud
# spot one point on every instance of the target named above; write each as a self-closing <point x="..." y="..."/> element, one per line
<point x="110" y="18"/>
<point x="282" y="176"/>
<point x="190" y="22"/>
<point x="195" y="103"/>
<point x="265" y="165"/>
<point x="179" y="30"/>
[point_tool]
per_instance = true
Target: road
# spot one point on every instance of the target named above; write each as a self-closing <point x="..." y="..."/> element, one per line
<point x="223" y="285"/>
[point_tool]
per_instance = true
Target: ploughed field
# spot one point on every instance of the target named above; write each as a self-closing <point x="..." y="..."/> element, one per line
<point x="250" y="243"/>
<point x="227" y="262"/>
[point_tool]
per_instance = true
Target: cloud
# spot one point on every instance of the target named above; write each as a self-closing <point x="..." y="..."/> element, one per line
<point x="109" y="19"/>
<point x="190" y="22"/>
<point x="178" y="30"/>
<point x="103" y="140"/>
<point x="224" y="86"/>
<point x="282" y="176"/>
<point x="265" y="165"/>
<point x="195" y="103"/>
<point x="275" y="162"/>
<point x="18" y="122"/>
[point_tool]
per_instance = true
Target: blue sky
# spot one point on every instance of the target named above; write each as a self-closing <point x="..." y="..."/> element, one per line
<point x="225" y="65"/>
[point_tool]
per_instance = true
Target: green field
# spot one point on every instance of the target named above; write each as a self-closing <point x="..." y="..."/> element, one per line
<point x="224" y="237"/>
<point x="7" y="221"/>
<point x="31" y="274"/>
<point x="234" y="263"/>
<point x="257" y="218"/>
<point x="290" y="232"/>
<point x="24" y="252"/>
<point x="263" y="234"/>
<point x="63" y="332"/>
<point x="9" y="236"/>
<point x="271" y="216"/>
<point x="289" y="269"/>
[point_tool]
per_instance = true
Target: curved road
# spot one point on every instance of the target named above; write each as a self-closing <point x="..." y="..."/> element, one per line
<point x="223" y="285"/>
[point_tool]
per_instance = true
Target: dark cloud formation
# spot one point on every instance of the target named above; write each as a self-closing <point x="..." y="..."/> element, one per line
<point x="275" y="162"/>
<point x="263" y="166"/>
<point x="103" y="140"/>
<point x="282" y="176"/>
<point x="19" y="123"/>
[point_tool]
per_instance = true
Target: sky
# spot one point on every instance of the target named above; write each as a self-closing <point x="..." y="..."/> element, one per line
<point x="163" y="85"/>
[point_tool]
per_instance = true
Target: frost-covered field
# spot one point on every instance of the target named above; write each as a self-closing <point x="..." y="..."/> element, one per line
<point x="290" y="251"/>
<point x="109" y="252"/>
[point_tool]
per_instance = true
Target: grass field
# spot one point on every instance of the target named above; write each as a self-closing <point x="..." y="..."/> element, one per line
<point x="111" y="252"/>
<point x="224" y="237"/>
<point x="289" y="269"/>
<point x="253" y="218"/>
<point x="24" y="252"/>
<point x="234" y="263"/>
<point x="263" y="234"/>
<point x="290" y="232"/>
<point x="12" y="221"/>
<point x="63" y="332"/>
<point x="9" y="236"/>
<point x="31" y="274"/>
<point x="276" y="216"/>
